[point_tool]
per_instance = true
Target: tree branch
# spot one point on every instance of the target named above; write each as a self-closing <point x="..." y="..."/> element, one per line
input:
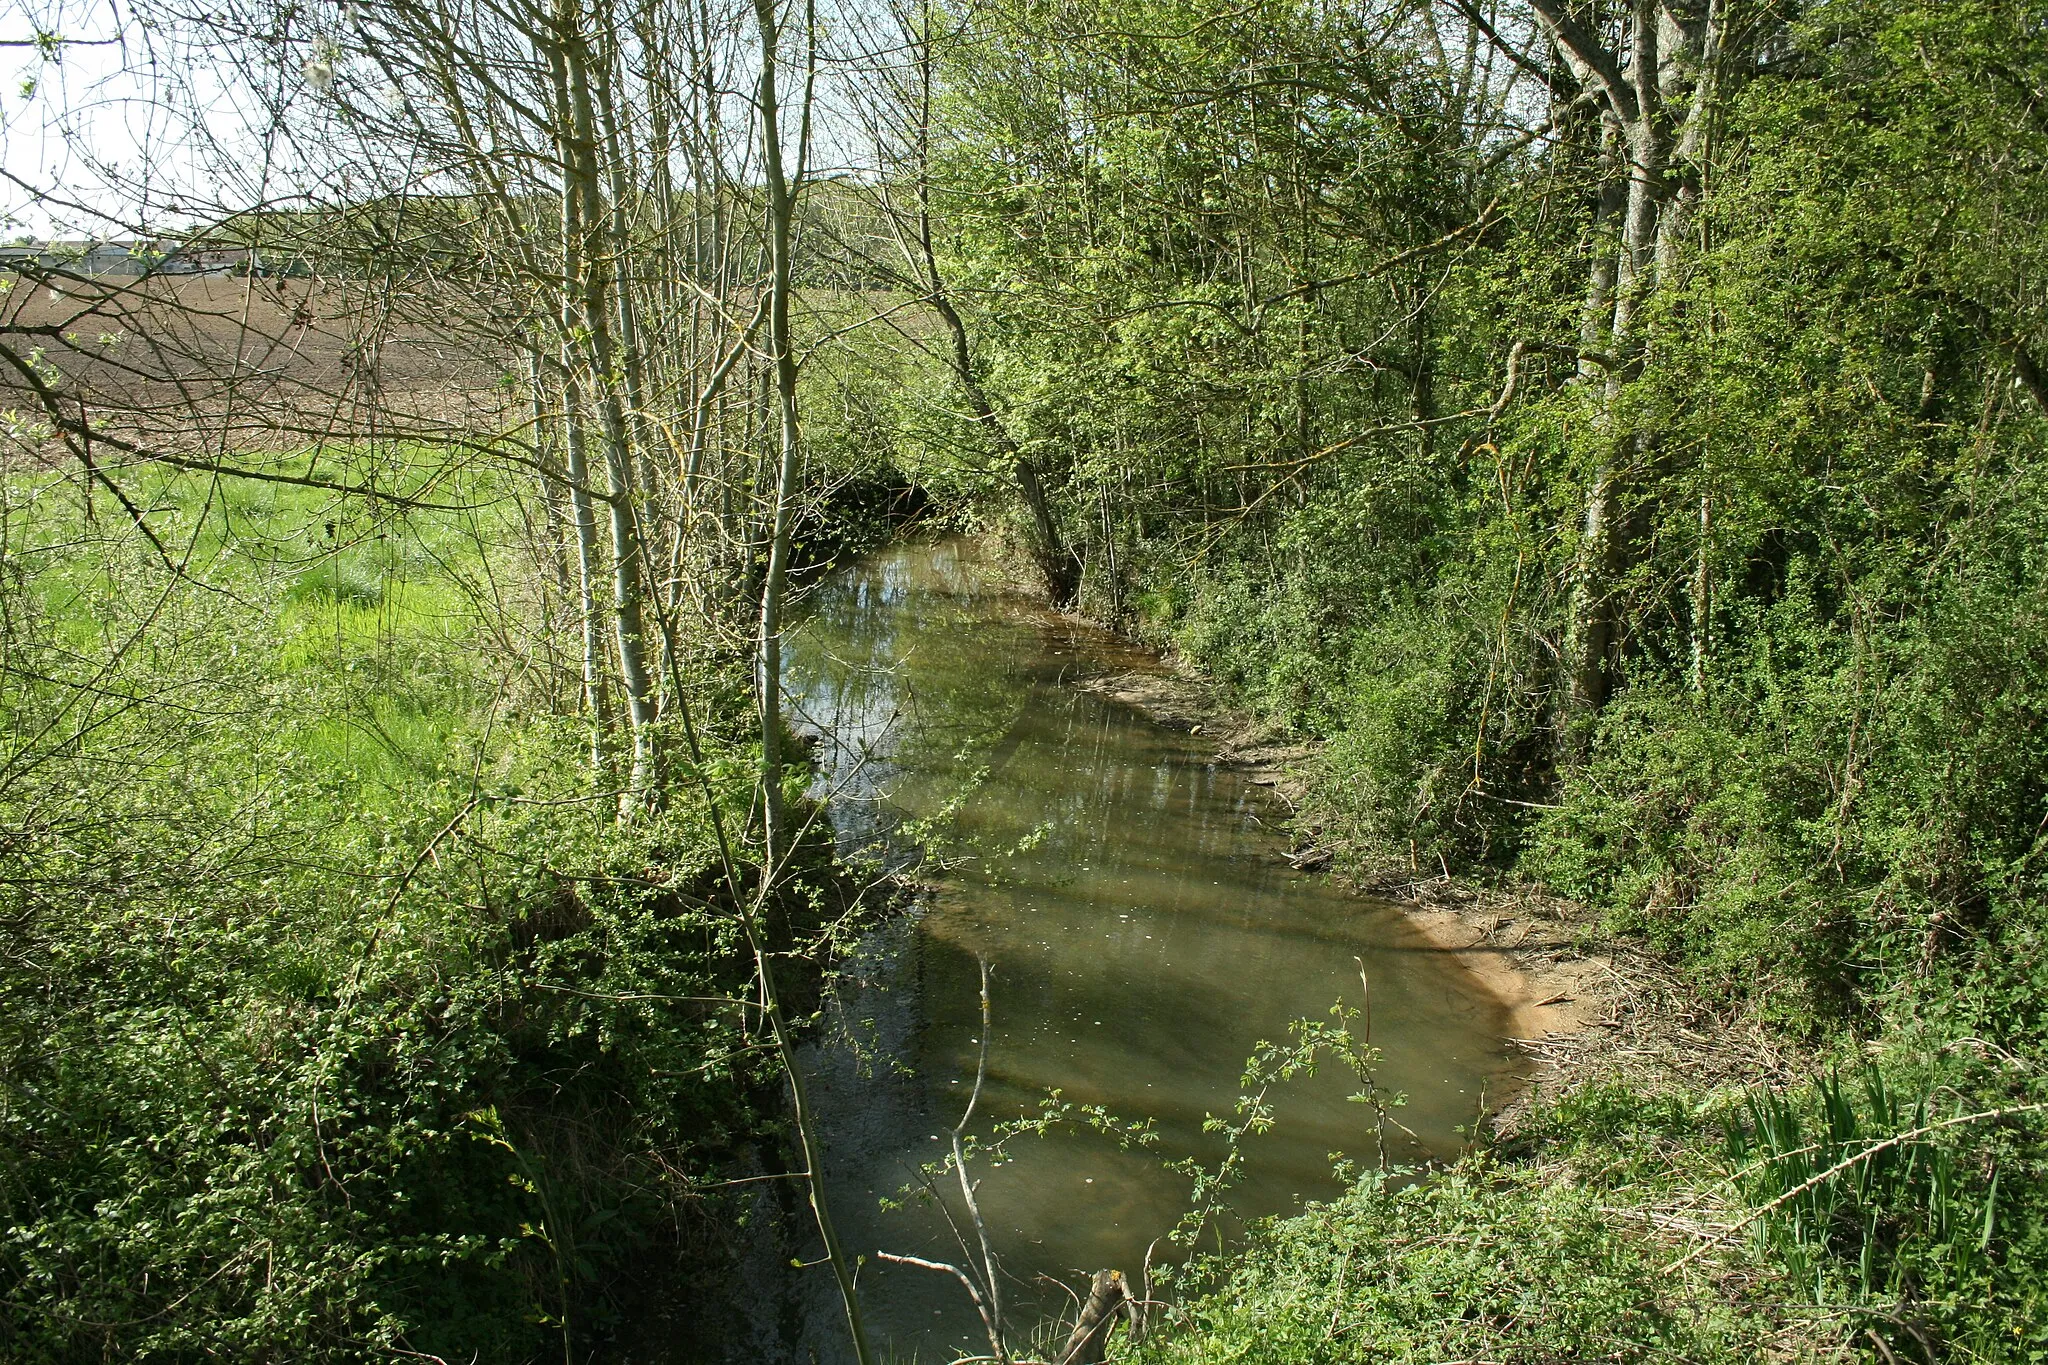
<point x="1578" y="42"/>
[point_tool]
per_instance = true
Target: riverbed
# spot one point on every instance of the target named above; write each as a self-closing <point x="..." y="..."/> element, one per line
<point x="1145" y="934"/>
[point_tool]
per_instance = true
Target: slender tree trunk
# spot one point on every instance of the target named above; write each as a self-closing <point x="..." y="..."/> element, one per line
<point x="544" y="431"/>
<point x="788" y="465"/>
<point x="557" y="585"/>
<point x="1703" y="597"/>
<point x="584" y="518"/>
<point x="624" y="251"/>
<point x="775" y="838"/>
<point x="590" y="290"/>
<point x="1057" y="562"/>
<point x="1694" y="58"/>
<point x="1599" y="306"/>
<point x="1635" y="100"/>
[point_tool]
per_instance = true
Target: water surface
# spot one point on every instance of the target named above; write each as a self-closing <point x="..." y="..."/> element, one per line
<point x="1145" y="932"/>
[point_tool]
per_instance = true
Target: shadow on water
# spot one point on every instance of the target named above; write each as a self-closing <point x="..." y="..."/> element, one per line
<point x="1145" y="935"/>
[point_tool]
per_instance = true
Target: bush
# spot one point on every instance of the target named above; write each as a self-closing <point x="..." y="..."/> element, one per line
<point x="338" y="1015"/>
<point x="1479" y="1263"/>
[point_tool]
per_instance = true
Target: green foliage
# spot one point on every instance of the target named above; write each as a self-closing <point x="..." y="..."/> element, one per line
<point x="1930" y="1223"/>
<point x="1273" y="418"/>
<point x="1479" y="1263"/>
<point x="338" y="1016"/>
<point x="1822" y="769"/>
<point x="1249" y="292"/>
<point x="1914" y="1223"/>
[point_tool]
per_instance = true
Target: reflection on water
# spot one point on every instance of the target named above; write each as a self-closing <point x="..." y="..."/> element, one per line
<point x="1145" y="935"/>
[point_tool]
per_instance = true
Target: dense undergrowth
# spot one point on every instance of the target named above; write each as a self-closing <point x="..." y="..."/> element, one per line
<point x="1480" y="1264"/>
<point x="340" y="1016"/>
<point x="1637" y="1223"/>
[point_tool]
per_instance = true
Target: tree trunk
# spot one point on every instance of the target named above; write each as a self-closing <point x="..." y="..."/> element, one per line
<point x="781" y="220"/>
<point x="583" y="517"/>
<point x="590" y="291"/>
<point x="1599" y="306"/>
<point x="1703" y="597"/>
<point x="1634" y="101"/>
<point x="1057" y="562"/>
<point x="623" y="251"/>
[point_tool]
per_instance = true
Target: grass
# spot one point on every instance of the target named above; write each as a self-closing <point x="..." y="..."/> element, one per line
<point x="367" y="631"/>
<point x="339" y="1016"/>
<point x="1482" y="1262"/>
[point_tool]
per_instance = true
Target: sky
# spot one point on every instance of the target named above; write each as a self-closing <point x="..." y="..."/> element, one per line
<point x="116" y="130"/>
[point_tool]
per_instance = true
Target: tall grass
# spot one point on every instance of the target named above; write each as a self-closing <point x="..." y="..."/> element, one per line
<point x="1896" y="1208"/>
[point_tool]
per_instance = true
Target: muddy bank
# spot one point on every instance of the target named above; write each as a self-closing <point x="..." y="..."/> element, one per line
<point x="1581" y="1009"/>
<point x="1523" y="950"/>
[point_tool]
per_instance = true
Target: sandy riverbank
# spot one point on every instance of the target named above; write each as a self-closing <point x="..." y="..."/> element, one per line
<point x="1580" y="1008"/>
<point x="1522" y="951"/>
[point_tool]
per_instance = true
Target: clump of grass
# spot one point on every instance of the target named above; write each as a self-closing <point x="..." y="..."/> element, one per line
<point x="1897" y="1208"/>
<point x="336" y="580"/>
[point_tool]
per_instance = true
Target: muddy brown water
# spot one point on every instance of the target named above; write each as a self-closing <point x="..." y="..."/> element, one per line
<point x="1146" y="935"/>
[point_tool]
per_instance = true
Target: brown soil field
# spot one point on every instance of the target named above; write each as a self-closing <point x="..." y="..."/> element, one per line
<point x="191" y="363"/>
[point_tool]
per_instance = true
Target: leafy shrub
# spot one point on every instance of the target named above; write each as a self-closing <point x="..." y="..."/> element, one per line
<point x="338" y="1016"/>
<point x="1479" y="1263"/>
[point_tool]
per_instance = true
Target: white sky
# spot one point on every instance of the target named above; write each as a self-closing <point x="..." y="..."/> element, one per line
<point x="125" y="132"/>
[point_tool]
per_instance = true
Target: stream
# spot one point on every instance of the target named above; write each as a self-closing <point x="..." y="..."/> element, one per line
<point x="1145" y="933"/>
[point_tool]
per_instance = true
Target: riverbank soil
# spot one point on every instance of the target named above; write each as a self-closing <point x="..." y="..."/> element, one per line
<point x="1529" y="951"/>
